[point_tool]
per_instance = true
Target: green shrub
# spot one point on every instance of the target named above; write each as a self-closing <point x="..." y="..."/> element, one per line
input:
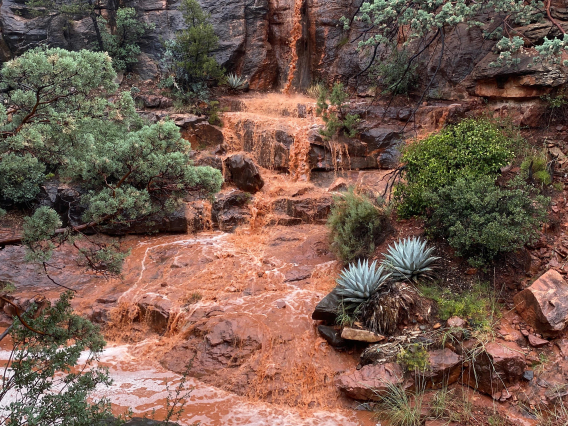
<point x="476" y="303"/>
<point x="535" y="167"/>
<point x="473" y="148"/>
<point x="333" y="113"/>
<point x="392" y="76"/>
<point x="123" y="44"/>
<point x="414" y="357"/>
<point x="357" y="226"/>
<point x="481" y="220"/>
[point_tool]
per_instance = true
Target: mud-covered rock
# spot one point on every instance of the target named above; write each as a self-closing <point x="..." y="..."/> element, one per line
<point x="202" y="135"/>
<point x="371" y="381"/>
<point x="544" y="305"/>
<point x="243" y="172"/>
<point x="216" y="343"/>
<point x="230" y="210"/>
<point x="494" y="367"/>
<point x="155" y="311"/>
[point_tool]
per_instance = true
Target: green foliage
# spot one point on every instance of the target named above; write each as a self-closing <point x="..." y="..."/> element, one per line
<point x="481" y="220"/>
<point x="425" y="19"/>
<point x="359" y="282"/>
<point x="345" y="316"/>
<point x="414" y="357"/>
<point x="476" y="303"/>
<point x="395" y="73"/>
<point x="356" y="226"/>
<point x="2" y="212"/>
<point x="43" y="378"/>
<point x="20" y="176"/>
<point x="471" y="149"/>
<point x="123" y="43"/>
<point x="410" y="260"/>
<point x="536" y="167"/>
<point x="189" y="56"/>
<point x="399" y="408"/>
<point x="73" y="127"/>
<point x="335" y="118"/>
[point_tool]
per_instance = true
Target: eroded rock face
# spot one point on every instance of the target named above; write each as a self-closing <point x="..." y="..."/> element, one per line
<point x="499" y="365"/>
<point x="230" y="210"/>
<point x="544" y="305"/>
<point x="370" y="382"/>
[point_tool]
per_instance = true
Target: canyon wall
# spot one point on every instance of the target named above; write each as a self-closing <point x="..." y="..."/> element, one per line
<point x="255" y="40"/>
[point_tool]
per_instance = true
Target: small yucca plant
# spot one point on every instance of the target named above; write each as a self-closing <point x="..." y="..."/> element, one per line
<point x="360" y="281"/>
<point x="409" y="259"/>
<point x="236" y="82"/>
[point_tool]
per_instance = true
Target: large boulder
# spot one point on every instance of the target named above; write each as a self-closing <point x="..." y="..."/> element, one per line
<point x="544" y="305"/>
<point x="371" y="381"/>
<point x="498" y="365"/>
<point x="155" y="311"/>
<point x="242" y="171"/>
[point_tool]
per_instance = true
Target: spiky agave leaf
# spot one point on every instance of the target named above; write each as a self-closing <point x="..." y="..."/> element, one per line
<point x="409" y="259"/>
<point x="235" y="81"/>
<point x="360" y="281"/>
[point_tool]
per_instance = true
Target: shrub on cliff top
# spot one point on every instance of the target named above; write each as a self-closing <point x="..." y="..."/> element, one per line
<point x="357" y="226"/>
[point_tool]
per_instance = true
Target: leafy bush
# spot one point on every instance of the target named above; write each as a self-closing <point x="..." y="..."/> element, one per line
<point x="335" y="118"/>
<point x="395" y="74"/>
<point x="357" y="226"/>
<point x="414" y="357"/>
<point x="122" y="44"/>
<point x="409" y="259"/>
<point x="360" y="281"/>
<point x="536" y="168"/>
<point x="45" y="381"/>
<point x="471" y="149"/>
<point x="481" y="220"/>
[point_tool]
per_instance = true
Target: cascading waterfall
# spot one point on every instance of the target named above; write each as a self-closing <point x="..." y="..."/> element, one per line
<point x="295" y="37"/>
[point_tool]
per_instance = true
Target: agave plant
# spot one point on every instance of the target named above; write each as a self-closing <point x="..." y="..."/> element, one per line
<point x="409" y="259"/>
<point x="236" y="82"/>
<point x="360" y="281"/>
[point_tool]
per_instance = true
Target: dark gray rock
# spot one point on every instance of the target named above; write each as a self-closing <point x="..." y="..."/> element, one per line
<point x="242" y="171"/>
<point x="332" y="336"/>
<point x="326" y="309"/>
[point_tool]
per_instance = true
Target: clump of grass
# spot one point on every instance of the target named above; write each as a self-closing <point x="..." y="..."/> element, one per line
<point x="536" y="167"/>
<point x="315" y="90"/>
<point x="478" y="304"/>
<point x="192" y="299"/>
<point x="399" y="408"/>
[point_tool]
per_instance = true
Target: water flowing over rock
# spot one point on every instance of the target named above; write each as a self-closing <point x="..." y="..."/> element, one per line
<point x="242" y="171"/>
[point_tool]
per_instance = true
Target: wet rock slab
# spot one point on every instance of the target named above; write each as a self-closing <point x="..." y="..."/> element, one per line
<point x="371" y="381"/>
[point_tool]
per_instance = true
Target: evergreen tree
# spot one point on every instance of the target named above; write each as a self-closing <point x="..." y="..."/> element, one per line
<point x="61" y="115"/>
<point x="189" y="57"/>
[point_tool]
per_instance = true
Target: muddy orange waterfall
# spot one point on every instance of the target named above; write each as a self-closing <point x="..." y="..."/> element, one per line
<point x="295" y="37"/>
